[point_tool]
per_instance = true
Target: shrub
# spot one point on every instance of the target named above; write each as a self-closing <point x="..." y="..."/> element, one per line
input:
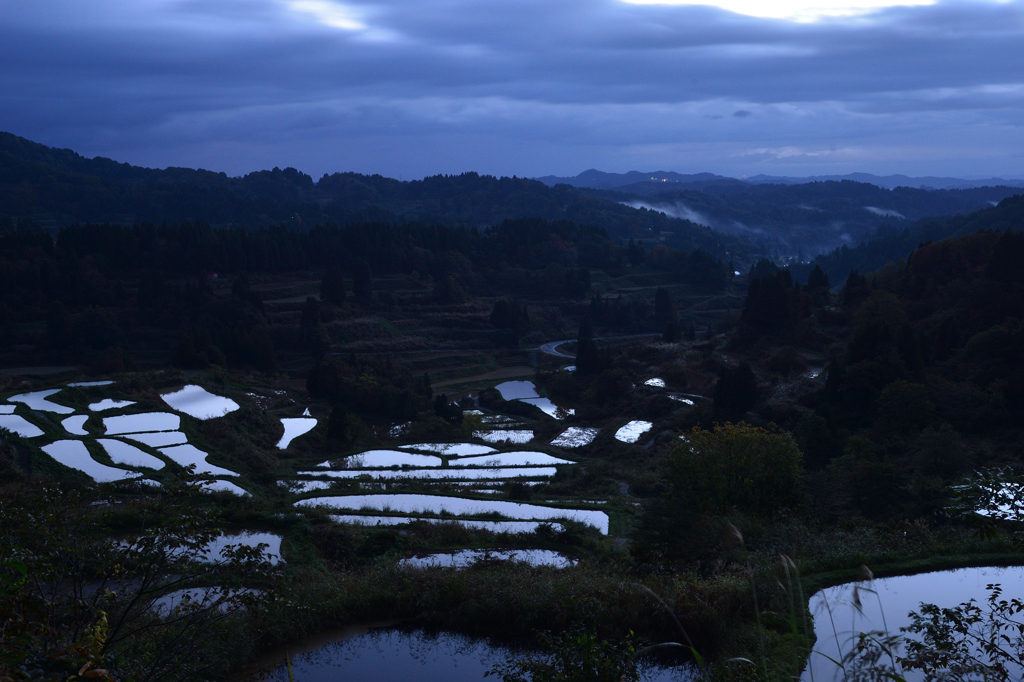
<point x="903" y="408"/>
<point x="736" y="466"/>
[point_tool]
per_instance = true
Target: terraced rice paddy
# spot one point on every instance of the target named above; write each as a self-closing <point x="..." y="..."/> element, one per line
<point x="454" y="449"/>
<point x="150" y="429"/>
<point x="293" y="428"/>
<point x="129" y="455"/>
<point x="142" y="422"/>
<point x="188" y="455"/>
<point x="461" y="474"/>
<point x="75" y="455"/>
<point x="226" y="487"/>
<point x="37" y="400"/>
<point x="159" y="439"/>
<point x="457" y="506"/>
<point x="514" y="436"/>
<point x="197" y="402"/>
<point x="454" y="465"/>
<point x="108" y="404"/>
<point x="303" y="487"/>
<point x="272" y="552"/>
<point x="19" y="425"/>
<point x="526" y="391"/>
<point x="499" y="419"/>
<point x="387" y="458"/>
<point x="76" y="425"/>
<point x="492" y="526"/>
<point x="510" y="459"/>
<point x="467" y="557"/>
<point x="517" y="390"/>
<point x="631" y="432"/>
<point x="549" y="408"/>
<point x="575" y="437"/>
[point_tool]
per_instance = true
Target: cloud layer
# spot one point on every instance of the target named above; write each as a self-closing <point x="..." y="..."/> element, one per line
<point x="528" y="87"/>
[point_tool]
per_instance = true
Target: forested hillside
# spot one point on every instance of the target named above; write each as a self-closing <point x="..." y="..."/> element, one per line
<point x="893" y="246"/>
<point x="105" y="287"/>
<point x="57" y="187"/>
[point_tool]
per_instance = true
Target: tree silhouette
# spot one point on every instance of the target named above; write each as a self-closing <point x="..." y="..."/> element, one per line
<point x="310" y="315"/>
<point x="332" y="286"/>
<point x="735" y="393"/>
<point x="663" y="310"/>
<point x="588" y="359"/>
<point x="771" y="305"/>
<point x="362" y="285"/>
<point x="856" y="290"/>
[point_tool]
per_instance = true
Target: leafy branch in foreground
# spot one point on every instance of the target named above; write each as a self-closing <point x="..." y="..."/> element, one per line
<point x="995" y="493"/>
<point x="966" y="643"/>
<point x="88" y="588"/>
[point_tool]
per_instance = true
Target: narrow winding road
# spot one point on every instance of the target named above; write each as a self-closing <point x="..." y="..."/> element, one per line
<point x="551" y="348"/>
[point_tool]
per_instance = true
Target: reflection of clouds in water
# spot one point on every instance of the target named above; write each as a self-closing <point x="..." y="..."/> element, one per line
<point x="517" y="390"/>
<point x="389" y="654"/>
<point x="897" y="596"/>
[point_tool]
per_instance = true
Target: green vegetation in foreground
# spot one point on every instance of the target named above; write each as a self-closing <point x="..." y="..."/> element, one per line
<point x="337" y="575"/>
<point x="826" y="431"/>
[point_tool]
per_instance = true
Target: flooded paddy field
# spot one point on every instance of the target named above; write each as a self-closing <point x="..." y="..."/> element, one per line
<point x="479" y="489"/>
<point x="399" y="654"/>
<point x="843" y="612"/>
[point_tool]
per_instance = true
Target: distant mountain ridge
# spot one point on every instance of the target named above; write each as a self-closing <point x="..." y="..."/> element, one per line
<point x="729" y="218"/>
<point x="890" y="181"/>
<point x="58" y="187"/>
<point x="595" y="179"/>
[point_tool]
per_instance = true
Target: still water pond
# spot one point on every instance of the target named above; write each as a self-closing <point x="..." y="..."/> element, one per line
<point x="393" y="655"/>
<point x="896" y="598"/>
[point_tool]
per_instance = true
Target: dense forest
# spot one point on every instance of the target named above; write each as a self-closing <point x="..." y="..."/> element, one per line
<point x="893" y="245"/>
<point x="97" y="285"/>
<point x="924" y="380"/>
<point x="57" y="187"/>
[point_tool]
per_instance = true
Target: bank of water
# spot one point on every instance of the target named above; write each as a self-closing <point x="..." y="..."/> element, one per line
<point x="391" y="654"/>
<point x="837" y="621"/>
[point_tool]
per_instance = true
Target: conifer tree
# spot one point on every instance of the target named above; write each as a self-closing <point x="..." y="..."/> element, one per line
<point x="662" y="306"/>
<point x="735" y="392"/>
<point x="588" y="359"/>
<point x="332" y="286"/>
<point x="362" y="284"/>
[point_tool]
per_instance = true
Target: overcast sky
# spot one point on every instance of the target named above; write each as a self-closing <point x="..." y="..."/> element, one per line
<point x="408" y="88"/>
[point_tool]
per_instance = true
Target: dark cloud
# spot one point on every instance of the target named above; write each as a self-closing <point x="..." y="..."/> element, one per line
<point x="528" y="87"/>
